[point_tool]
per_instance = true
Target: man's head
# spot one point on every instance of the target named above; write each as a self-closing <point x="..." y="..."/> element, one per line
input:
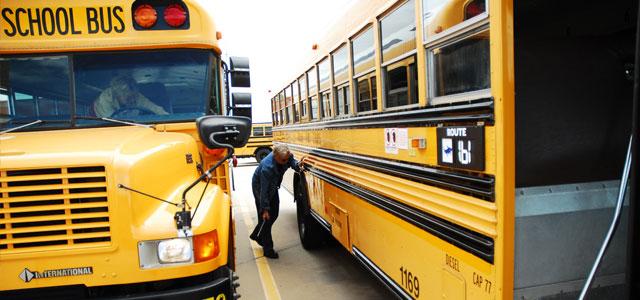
<point x="123" y="89"/>
<point x="281" y="153"/>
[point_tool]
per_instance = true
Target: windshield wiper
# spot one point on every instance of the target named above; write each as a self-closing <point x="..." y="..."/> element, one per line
<point x="36" y="122"/>
<point x="126" y="122"/>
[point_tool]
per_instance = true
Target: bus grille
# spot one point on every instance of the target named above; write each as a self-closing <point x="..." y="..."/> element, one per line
<point x="53" y="209"/>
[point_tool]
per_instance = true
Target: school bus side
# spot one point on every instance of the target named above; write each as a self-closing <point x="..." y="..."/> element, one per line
<point x="375" y="180"/>
<point x="426" y="192"/>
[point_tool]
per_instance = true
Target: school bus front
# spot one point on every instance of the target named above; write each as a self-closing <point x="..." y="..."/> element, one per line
<point x="70" y="221"/>
<point x="98" y="144"/>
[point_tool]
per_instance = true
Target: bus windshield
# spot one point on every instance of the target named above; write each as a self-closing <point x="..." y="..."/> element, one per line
<point x="74" y="90"/>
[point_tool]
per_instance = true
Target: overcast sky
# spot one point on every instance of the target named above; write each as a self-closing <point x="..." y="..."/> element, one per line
<point x="275" y="35"/>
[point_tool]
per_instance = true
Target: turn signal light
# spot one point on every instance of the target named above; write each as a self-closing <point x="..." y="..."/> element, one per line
<point x="145" y="16"/>
<point x="235" y="161"/>
<point x="206" y="246"/>
<point x="215" y="152"/>
<point x="175" y="15"/>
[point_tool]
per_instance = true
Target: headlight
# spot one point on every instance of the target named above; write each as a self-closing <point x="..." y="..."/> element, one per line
<point x="175" y="251"/>
<point x="165" y="253"/>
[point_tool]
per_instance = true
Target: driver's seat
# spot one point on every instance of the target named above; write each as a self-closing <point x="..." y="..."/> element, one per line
<point x="157" y="93"/>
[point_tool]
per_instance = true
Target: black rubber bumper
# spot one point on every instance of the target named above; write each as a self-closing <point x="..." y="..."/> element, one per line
<point x="207" y="290"/>
<point x="209" y="285"/>
<point x="217" y="286"/>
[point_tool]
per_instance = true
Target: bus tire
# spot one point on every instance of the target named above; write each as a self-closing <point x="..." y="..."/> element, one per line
<point x="261" y="153"/>
<point x="311" y="233"/>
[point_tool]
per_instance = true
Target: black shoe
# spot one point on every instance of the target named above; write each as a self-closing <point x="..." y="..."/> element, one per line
<point x="270" y="253"/>
<point x="255" y="238"/>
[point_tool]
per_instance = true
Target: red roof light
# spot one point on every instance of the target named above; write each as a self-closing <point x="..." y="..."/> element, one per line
<point x="474" y="8"/>
<point x="145" y="16"/>
<point x="175" y="15"/>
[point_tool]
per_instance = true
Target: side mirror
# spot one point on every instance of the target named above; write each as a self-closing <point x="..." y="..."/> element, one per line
<point x="240" y="75"/>
<point x="241" y="104"/>
<point x="224" y="132"/>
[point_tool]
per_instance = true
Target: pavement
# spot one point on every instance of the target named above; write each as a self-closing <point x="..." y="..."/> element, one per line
<point x="330" y="272"/>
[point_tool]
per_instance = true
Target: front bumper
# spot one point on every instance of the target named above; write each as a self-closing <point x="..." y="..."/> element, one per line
<point x="209" y="285"/>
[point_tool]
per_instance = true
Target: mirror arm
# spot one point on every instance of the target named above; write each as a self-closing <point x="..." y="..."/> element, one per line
<point x="183" y="217"/>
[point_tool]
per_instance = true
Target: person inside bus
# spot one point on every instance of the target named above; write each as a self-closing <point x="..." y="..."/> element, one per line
<point x="123" y="94"/>
<point x="265" y="184"/>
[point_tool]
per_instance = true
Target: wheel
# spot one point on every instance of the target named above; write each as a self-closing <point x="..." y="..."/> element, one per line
<point x="312" y="235"/>
<point x="262" y="153"/>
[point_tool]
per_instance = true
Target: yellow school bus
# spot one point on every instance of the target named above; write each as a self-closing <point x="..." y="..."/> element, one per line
<point x="260" y="142"/>
<point x="107" y="190"/>
<point x="470" y="149"/>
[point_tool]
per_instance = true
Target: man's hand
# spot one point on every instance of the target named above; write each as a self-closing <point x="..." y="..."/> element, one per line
<point x="301" y="163"/>
<point x="265" y="215"/>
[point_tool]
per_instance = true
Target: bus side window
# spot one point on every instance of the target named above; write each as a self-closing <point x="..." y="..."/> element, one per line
<point x="450" y="77"/>
<point x="4" y="103"/>
<point x="398" y="39"/>
<point x="258" y="131"/>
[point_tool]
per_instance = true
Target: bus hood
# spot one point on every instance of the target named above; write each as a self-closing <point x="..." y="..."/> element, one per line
<point x="104" y="146"/>
<point x="161" y="164"/>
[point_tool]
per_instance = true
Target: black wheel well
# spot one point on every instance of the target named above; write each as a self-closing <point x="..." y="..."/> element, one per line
<point x="296" y="187"/>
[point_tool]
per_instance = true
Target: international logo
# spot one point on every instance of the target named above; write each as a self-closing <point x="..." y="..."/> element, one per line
<point x="27" y="275"/>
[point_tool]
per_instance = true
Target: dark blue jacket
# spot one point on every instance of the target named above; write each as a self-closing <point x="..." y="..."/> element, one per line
<point x="268" y="177"/>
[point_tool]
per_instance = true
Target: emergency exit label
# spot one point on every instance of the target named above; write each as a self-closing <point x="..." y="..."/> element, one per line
<point x="461" y="147"/>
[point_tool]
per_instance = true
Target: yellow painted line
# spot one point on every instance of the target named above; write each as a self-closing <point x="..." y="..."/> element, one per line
<point x="269" y="286"/>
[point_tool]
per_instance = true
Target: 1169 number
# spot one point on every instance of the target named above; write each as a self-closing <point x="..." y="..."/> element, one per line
<point x="410" y="282"/>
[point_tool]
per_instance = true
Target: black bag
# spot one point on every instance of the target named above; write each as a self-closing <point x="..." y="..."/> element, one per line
<point x="258" y="233"/>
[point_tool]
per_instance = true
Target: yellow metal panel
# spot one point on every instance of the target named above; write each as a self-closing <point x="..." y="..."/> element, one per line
<point x="393" y="244"/>
<point x="453" y="287"/>
<point x="48" y="249"/>
<point x="339" y="219"/>
<point x="423" y="88"/>
<point x="503" y="91"/>
<point x="371" y="142"/>
<point x="474" y="214"/>
<point x="209" y="160"/>
<point x="378" y="63"/>
<point x="317" y="194"/>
